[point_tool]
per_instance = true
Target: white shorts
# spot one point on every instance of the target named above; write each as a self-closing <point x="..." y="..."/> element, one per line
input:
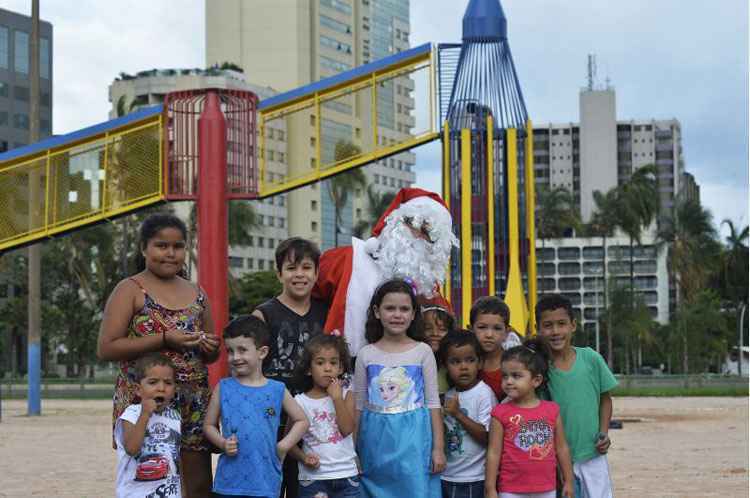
<point x="592" y="478"/>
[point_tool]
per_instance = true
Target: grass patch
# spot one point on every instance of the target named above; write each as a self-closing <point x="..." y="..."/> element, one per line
<point x="679" y="391"/>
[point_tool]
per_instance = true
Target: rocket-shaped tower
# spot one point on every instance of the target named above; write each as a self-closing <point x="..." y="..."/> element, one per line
<point x="488" y="172"/>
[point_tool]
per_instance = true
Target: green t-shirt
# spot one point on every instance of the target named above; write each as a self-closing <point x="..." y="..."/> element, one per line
<point x="578" y="392"/>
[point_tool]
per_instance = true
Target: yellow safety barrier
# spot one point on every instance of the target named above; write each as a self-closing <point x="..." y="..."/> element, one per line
<point x="80" y="182"/>
<point x="347" y="120"/>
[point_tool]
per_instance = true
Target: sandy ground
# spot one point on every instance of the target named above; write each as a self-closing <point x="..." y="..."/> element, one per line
<point x="669" y="447"/>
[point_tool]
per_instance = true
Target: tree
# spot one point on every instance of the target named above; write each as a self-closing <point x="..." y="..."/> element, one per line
<point x="603" y="223"/>
<point x="692" y="256"/>
<point x="377" y="203"/>
<point x="630" y="323"/>
<point x="638" y="204"/>
<point x="734" y="264"/>
<point x="342" y="184"/>
<point x="253" y="289"/>
<point x="556" y="212"/>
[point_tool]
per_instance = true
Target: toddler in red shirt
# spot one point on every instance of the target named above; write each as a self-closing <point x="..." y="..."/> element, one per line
<point x="526" y="440"/>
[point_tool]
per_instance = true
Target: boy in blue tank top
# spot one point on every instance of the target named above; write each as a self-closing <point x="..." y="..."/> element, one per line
<point x="244" y="413"/>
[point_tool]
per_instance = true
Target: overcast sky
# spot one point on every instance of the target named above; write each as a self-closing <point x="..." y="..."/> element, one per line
<point x="683" y="59"/>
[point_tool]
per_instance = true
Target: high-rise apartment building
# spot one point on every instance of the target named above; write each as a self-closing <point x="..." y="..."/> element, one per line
<point x="149" y="88"/>
<point x="15" y="54"/>
<point x="293" y="43"/>
<point x="601" y="152"/>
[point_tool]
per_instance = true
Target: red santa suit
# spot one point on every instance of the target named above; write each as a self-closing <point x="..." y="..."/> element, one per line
<point x="349" y="275"/>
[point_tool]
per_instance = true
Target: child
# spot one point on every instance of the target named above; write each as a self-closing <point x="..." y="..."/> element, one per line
<point x="489" y="319"/>
<point x="293" y="317"/>
<point x="579" y="381"/>
<point x="437" y="322"/>
<point x="467" y="409"/>
<point x="249" y="407"/>
<point x="527" y="440"/>
<point x="159" y="310"/>
<point x="327" y="461"/>
<point x="147" y="434"/>
<point x="400" y="443"/>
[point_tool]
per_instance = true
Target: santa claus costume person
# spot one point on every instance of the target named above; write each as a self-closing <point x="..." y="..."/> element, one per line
<point x="411" y="240"/>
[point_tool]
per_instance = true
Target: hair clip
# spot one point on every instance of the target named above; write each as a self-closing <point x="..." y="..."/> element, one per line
<point x="412" y="285"/>
<point x="433" y="307"/>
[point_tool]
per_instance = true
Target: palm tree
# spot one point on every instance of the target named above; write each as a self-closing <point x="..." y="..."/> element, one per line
<point x="556" y="212"/>
<point x="377" y="203"/>
<point x="692" y="254"/>
<point x="341" y="185"/>
<point x="638" y="205"/>
<point x="603" y="223"/>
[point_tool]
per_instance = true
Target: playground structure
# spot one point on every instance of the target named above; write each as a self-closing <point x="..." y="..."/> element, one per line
<point x="209" y="146"/>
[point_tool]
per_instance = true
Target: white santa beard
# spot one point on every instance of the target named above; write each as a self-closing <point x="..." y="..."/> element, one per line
<point x="402" y="255"/>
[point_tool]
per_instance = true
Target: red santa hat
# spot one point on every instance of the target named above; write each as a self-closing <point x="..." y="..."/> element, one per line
<point x="415" y="196"/>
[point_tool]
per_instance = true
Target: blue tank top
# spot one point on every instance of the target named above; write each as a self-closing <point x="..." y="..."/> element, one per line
<point x="253" y="414"/>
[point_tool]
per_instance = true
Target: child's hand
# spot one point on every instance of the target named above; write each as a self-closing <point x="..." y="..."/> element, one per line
<point x="209" y="343"/>
<point x="452" y="406"/>
<point x="335" y="390"/>
<point x="438" y="461"/>
<point x="281" y="451"/>
<point x="180" y="341"/>
<point x="567" y="490"/>
<point x="231" y="445"/>
<point x="148" y="406"/>
<point x="311" y="461"/>
<point x="490" y="493"/>
<point x="602" y="443"/>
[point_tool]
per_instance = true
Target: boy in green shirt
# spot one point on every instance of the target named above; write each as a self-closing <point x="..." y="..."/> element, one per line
<point x="579" y="381"/>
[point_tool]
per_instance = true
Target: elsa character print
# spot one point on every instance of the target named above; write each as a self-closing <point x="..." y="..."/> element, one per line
<point x="395" y="386"/>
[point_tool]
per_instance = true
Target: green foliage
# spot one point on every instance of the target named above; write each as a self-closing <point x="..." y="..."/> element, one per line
<point x="342" y="184"/>
<point x="253" y="289"/>
<point x="556" y="212"/>
<point x="376" y="206"/>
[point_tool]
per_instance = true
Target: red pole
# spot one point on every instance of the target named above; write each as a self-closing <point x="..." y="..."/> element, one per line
<point x="213" y="246"/>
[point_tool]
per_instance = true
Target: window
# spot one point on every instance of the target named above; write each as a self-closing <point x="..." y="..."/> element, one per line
<point x="261" y="241"/>
<point x="313" y="163"/>
<point x="313" y="205"/>
<point x="593" y="253"/>
<point x="250" y="263"/>
<point x="261" y="264"/>
<point x="333" y="44"/>
<point x="270" y="242"/>
<point x="4" y="50"/>
<point x="21" y="121"/>
<point x="235" y="262"/>
<point x="271" y="223"/>
<point x="314" y="226"/>
<point x="44" y="58"/>
<point x="334" y="65"/>
<point x="251" y="241"/>
<point x="21" y="56"/>
<point x="282" y="222"/>
<point x="333" y="24"/>
<point x="4" y="119"/>
<point x="358" y="213"/>
<point x="569" y="268"/>
<point x="3" y="89"/>
<point x="569" y="253"/>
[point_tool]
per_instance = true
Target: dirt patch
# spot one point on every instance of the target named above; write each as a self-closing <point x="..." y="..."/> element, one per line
<point x="681" y="448"/>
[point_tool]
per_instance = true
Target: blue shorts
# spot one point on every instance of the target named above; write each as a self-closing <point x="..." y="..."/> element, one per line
<point x="346" y="487"/>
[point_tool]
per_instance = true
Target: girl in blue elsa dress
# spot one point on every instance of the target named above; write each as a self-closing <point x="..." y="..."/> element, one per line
<point x="400" y="442"/>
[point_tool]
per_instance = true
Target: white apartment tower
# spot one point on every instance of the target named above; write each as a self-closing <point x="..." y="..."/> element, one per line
<point x="601" y="152"/>
<point x="292" y="43"/>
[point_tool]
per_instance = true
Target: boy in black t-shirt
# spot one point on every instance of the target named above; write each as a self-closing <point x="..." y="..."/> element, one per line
<point x="293" y="318"/>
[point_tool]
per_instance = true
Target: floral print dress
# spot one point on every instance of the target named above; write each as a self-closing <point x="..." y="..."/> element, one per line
<point x="192" y="389"/>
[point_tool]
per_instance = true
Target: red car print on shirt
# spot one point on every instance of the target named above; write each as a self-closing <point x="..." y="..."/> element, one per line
<point x="152" y="468"/>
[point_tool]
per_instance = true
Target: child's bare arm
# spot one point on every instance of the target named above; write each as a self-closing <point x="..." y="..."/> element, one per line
<point x="133" y="434"/>
<point x="494" y="450"/>
<point x="476" y="430"/>
<point x="297" y="423"/>
<point x="211" y="424"/>
<point x="438" y="441"/>
<point x="605" y="415"/>
<point x="344" y="407"/>
<point x="563" y="458"/>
